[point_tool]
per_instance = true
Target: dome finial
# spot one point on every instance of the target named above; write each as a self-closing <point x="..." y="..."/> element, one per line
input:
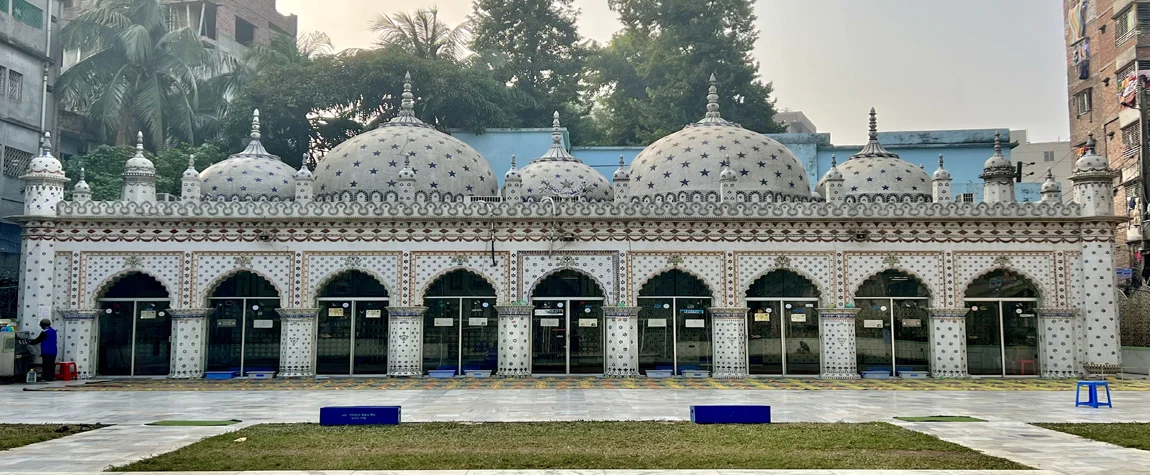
<point x="997" y="143"/>
<point x="622" y="163"/>
<point x="834" y="160"/>
<point x="873" y="125"/>
<point x="140" y="142"/>
<point x="874" y="148"/>
<point x="46" y="144"/>
<point x="406" y="113"/>
<point x="192" y="162"/>
<point x="255" y="147"/>
<point x="713" y="99"/>
<point x="256" y="124"/>
<point x="81" y="173"/>
<point x="940" y="161"/>
<point x="1090" y="144"/>
<point x="513" y="161"/>
<point x="558" y="150"/>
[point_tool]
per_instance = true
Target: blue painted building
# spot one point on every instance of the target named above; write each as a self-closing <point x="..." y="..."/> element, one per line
<point x="965" y="152"/>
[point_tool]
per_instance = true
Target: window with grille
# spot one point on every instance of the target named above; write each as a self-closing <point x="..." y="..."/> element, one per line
<point x="3" y="79"/>
<point x="966" y="198"/>
<point x="1131" y="140"/>
<point x="28" y="13"/>
<point x="15" y="86"/>
<point x="4" y="6"/>
<point x="1084" y="101"/>
<point x="1048" y="156"/>
<point x="16" y="162"/>
<point x="1125" y="26"/>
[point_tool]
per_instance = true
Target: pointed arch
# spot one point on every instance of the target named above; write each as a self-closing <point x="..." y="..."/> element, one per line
<point x="111" y="281"/>
<point x="206" y="294"/>
<point x="346" y="272"/>
<point x="712" y="287"/>
<point x="1034" y="283"/>
<point x="744" y="289"/>
<point x="534" y="285"/>
<point x="313" y="292"/>
<point x="921" y="281"/>
<point x="500" y="291"/>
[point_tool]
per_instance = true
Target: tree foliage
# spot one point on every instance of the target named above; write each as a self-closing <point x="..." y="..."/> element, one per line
<point x="422" y="34"/>
<point x="104" y="167"/>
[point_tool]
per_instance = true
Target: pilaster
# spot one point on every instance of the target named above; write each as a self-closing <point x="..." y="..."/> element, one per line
<point x="1056" y="345"/>
<point x="38" y="266"/>
<point x="948" y="343"/>
<point x="730" y="338"/>
<point x="622" y="342"/>
<point x="838" y="337"/>
<point x="514" y="340"/>
<point x="1103" y="350"/>
<point x="405" y="341"/>
<point x="189" y="342"/>
<point x="297" y="338"/>
<point x="80" y="340"/>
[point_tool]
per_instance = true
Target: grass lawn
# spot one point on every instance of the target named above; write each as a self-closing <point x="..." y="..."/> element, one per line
<point x="1128" y="434"/>
<point x="18" y="435"/>
<point x="571" y="445"/>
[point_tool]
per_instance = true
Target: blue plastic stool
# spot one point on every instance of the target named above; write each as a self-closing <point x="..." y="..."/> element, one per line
<point x="1092" y="394"/>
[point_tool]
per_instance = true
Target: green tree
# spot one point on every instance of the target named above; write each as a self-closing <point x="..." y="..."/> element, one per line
<point x="652" y="77"/>
<point x="422" y="34"/>
<point x="137" y="73"/>
<point x="104" y="167"/>
<point x="535" y="47"/>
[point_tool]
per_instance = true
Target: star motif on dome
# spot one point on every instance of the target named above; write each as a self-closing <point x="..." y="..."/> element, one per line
<point x="686" y="164"/>
<point x="355" y="163"/>
<point x="666" y="174"/>
<point x="432" y="165"/>
<point x="391" y="163"/>
<point x="391" y="183"/>
<point x="451" y="174"/>
<point x="374" y="171"/>
<point x="763" y="182"/>
<point x="762" y="164"/>
<point x="705" y="172"/>
<point x="259" y="180"/>
<point x="469" y="188"/>
<point x="684" y="182"/>
<point x="744" y="172"/>
<point x="354" y="184"/>
<point x="705" y="156"/>
<point x="854" y="188"/>
<point x="274" y="189"/>
<point x="778" y="174"/>
<point x="230" y="179"/>
<point x="885" y="187"/>
<point x="434" y="185"/>
<point x="339" y="173"/>
<point x="650" y="186"/>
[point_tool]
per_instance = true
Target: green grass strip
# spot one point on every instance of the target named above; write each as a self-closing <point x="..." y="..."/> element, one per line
<point x="1135" y="435"/>
<point x="940" y="419"/>
<point x="176" y="423"/>
<point x="19" y="435"/>
<point x="572" y="445"/>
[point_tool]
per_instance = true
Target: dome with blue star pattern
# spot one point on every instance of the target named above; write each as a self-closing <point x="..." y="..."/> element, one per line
<point x="367" y="167"/>
<point x="558" y="174"/>
<point x="251" y="175"/>
<point x="876" y="175"/>
<point x="688" y="163"/>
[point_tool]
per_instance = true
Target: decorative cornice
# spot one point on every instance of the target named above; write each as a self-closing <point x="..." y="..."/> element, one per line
<point x="189" y="313"/>
<point x="298" y="313"/>
<point x="948" y="312"/>
<point x="406" y="312"/>
<point x="79" y="314"/>
<point x="838" y="313"/>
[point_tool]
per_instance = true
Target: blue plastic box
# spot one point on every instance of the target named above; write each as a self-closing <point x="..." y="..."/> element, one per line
<point x="219" y="375"/>
<point x="358" y="415"/>
<point x="731" y="414"/>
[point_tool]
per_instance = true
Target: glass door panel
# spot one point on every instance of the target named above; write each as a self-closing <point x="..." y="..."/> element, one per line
<point x="693" y="332"/>
<point x="225" y="335"/>
<point x="983" y="341"/>
<point x="586" y="341"/>
<point x="912" y="335"/>
<point x="153" y="339"/>
<point x="1020" y="338"/>
<point x="549" y="337"/>
<point x="116" y="338"/>
<point x="441" y="334"/>
<point x="479" y="338"/>
<point x="656" y="334"/>
<point x="765" y="338"/>
<point x="872" y="335"/>
<point x="333" y="341"/>
<point x="371" y="326"/>
<point x="802" y="337"/>
<point x="262" y="338"/>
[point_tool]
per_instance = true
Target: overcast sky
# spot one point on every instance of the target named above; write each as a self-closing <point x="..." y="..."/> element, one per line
<point x="924" y="64"/>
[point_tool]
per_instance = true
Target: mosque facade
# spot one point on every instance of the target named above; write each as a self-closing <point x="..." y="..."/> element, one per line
<point x="401" y="255"/>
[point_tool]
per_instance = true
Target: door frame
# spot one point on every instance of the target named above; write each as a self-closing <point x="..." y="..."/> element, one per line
<point x="675" y="324"/>
<point x="782" y="331"/>
<point x="1002" y="332"/>
<point x="243" y="326"/>
<point x="894" y="338"/>
<point x="135" y="315"/>
<point x="567" y="334"/>
<point x="459" y="330"/>
<point x="353" y="315"/>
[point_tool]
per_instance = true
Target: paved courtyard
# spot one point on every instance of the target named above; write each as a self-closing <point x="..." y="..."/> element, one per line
<point x="1005" y="435"/>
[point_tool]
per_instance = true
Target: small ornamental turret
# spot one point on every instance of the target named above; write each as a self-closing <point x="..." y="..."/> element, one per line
<point x="941" y="184"/>
<point x="998" y="176"/>
<point x="622" y="182"/>
<point x="833" y="183"/>
<point x="406" y="180"/>
<point x="190" y="182"/>
<point x="139" y="176"/>
<point x="1093" y="182"/>
<point x="43" y="182"/>
<point x="82" y="192"/>
<point x="728" y="179"/>
<point x="1051" y="190"/>
<point x="513" y="184"/>
<point x="304" y="184"/>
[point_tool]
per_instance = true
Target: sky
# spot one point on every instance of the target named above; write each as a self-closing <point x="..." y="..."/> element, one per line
<point x="923" y="64"/>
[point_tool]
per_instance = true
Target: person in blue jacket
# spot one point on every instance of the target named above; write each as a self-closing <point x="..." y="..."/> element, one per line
<point x="47" y="341"/>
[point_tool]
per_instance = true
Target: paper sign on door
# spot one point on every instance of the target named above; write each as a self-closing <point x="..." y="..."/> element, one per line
<point x="335" y="312"/>
<point x="798" y="317"/>
<point x="588" y="322"/>
<point x="762" y="317"/>
<point x="374" y="314"/>
<point x="657" y="322"/>
<point x="445" y="322"/>
<point x="548" y="322"/>
<point x="872" y="323"/>
<point x="477" y="322"/>
<point x="695" y="323"/>
<point x="263" y="324"/>
<point x="148" y="315"/>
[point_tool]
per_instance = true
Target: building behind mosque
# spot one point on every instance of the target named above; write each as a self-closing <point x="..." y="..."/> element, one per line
<point x="708" y="255"/>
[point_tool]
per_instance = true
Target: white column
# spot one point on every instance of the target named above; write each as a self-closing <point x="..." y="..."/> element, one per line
<point x="514" y="340"/>
<point x="730" y="337"/>
<point x="38" y="266"/>
<point x="838" y="337"/>
<point x="189" y="342"/>
<point x="622" y="341"/>
<point x="948" y="343"/>
<point x="1100" y="309"/>
<point x="80" y="340"/>
<point x="1056" y="343"/>
<point x="405" y="341"/>
<point x="297" y="342"/>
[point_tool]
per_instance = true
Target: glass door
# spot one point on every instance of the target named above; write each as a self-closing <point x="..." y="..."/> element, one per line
<point x="369" y="351"/>
<point x="765" y="337"/>
<point x="441" y="334"/>
<point x="873" y="339"/>
<point x="226" y="335"/>
<point x="585" y="319"/>
<point x="656" y="334"/>
<point x="333" y="338"/>
<point x="1020" y="337"/>
<point x="116" y="320"/>
<point x="152" y="352"/>
<point x="692" y="335"/>
<point x="912" y="335"/>
<point x="479" y="334"/>
<point x="549" y="337"/>
<point x="801" y="338"/>
<point x="984" y="338"/>
<point x="261" y="336"/>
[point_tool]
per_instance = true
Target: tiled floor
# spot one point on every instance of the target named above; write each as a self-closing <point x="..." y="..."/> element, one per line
<point x="605" y="472"/>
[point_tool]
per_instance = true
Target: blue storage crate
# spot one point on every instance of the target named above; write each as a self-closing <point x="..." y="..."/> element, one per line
<point x="441" y="373"/>
<point x="659" y="373"/>
<point x="219" y="375"/>
<point x="876" y="375"/>
<point x="260" y="374"/>
<point x="914" y="374"/>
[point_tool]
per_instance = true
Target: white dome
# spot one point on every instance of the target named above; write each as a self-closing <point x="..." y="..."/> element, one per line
<point x="876" y="175"/>
<point x="304" y="173"/>
<point x="558" y="174"/>
<point x="998" y="162"/>
<point x="512" y="175"/>
<point x="1051" y="186"/>
<point x="690" y="161"/>
<point x="941" y="173"/>
<point x="368" y="166"/>
<point x="251" y="175"/>
<point x="82" y="185"/>
<point x="833" y="173"/>
<point x="139" y="164"/>
<point x="45" y="165"/>
<point x="1091" y="161"/>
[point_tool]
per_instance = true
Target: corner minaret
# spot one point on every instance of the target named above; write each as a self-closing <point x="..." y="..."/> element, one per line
<point x="82" y="192"/>
<point x="940" y="184"/>
<point x="43" y="190"/>
<point x="1093" y="182"/>
<point x="998" y="176"/>
<point x="833" y="183"/>
<point x="139" y="176"/>
<point x="622" y="182"/>
<point x="190" y="182"/>
<point x="728" y="180"/>
<point x="304" y="184"/>
<point x="1051" y="190"/>
<point x="43" y="182"/>
<point x="513" y="184"/>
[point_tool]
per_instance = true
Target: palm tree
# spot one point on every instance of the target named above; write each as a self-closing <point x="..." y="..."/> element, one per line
<point x="138" y="74"/>
<point x="423" y="35"/>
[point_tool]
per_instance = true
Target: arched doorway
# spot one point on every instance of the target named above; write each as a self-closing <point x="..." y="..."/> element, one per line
<point x="783" y="325"/>
<point x="892" y="332"/>
<point x="675" y="323"/>
<point x="567" y="325"/>
<point x="244" y="332"/>
<point x="352" y="331"/>
<point x="1002" y="325"/>
<point x="135" y="328"/>
<point x="460" y="330"/>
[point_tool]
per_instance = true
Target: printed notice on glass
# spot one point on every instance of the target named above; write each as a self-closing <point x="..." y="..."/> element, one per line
<point x="695" y="323"/>
<point x="445" y="322"/>
<point x="657" y="323"/>
<point x="912" y="322"/>
<point x="799" y="317"/>
<point x="477" y="322"/>
<point x="548" y="322"/>
<point x="548" y="312"/>
<point x="374" y="314"/>
<point x="148" y="315"/>
<point x="335" y="312"/>
<point x="872" y="323"/>
<point x="762" y="317"/>
<point x="1026" y="315"/>
<point x="588" y="322"/>
<point x="226" y="323"/>
<point x="263" y="324"/>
